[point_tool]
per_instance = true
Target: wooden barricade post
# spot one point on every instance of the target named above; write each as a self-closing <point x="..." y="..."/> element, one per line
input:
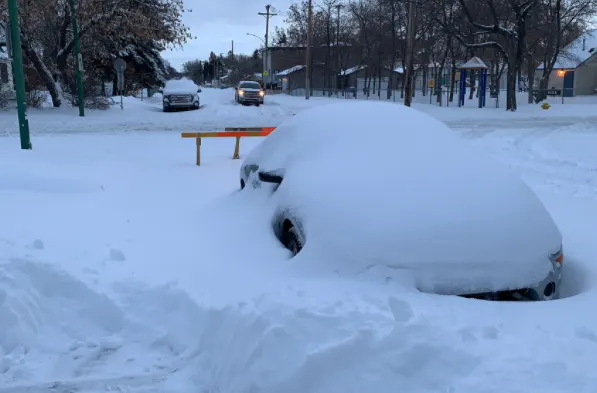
<point x="229" y="132"/>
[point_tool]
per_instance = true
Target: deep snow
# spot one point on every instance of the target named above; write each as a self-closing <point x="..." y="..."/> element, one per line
<point x="124" y="267"/>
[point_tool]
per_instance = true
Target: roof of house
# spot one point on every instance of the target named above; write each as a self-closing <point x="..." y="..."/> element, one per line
<point x="290" y="70"/>
<point x="352" y="70"/>
<point x="577" y="52"/>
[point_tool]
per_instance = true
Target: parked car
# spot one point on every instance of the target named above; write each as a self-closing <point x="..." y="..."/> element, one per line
<point x="387" y="189"/>
<point x="181" y="94"/>
<point x="249" y="92"/>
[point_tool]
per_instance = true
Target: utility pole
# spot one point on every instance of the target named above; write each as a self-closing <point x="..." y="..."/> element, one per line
<point x="410" y="46"/>
<point x="17" y="56"/>
<point x="79" y="59"/>
<point x="338" y="6"/>
<point x="308" y="51"/>
<point x="266" y="69"/>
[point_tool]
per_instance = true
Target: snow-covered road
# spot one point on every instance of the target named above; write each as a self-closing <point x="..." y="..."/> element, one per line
<point x="124" y="267"/>
<point x="219" y="110"/>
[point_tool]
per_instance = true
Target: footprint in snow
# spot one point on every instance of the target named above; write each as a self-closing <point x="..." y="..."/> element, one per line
<point x="117" y="255"/>
<point x="37" y="245"/>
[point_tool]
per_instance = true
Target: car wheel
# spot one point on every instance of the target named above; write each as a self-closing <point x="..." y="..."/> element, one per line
<point x="292" y="241"/>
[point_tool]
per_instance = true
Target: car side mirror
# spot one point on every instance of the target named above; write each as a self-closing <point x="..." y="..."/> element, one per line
<point x="274" y="177"/>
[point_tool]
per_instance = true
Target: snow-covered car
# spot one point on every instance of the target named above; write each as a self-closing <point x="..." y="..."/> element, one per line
<point x="249" y="92"/>
<point x="368" y="185"/>
<point x="180" y="94"/>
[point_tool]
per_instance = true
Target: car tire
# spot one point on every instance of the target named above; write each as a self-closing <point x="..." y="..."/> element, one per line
<point x="292" y="241"/>
<point x="166" y="110"/>
<point x="242" y="184"/>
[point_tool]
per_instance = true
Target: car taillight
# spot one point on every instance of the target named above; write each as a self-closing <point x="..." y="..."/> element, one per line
<point x="558" y="257"/>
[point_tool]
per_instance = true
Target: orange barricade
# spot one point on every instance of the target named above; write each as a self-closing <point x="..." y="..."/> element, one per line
<point x="229" y="132"/>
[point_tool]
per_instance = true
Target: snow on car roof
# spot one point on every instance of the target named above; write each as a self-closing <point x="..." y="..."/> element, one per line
<point x="380" y="184"/>
<point x="180" y="86"/>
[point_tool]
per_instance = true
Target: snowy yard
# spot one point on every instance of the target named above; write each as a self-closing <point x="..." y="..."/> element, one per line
<point x="124" y="267"/>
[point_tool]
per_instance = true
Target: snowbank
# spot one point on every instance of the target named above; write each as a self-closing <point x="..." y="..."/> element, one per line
<point x="421" y="202"/>
<point x="193" y="295"/>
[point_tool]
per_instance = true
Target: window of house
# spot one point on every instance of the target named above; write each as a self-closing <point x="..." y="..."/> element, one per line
<point x="3" y="73"/>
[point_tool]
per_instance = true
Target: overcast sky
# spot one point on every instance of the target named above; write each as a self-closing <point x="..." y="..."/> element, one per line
<point x="216" y="23"/>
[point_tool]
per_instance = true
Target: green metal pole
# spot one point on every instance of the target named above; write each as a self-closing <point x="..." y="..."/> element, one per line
<point x="79" y="60"/>
<point x="19" y="74"/>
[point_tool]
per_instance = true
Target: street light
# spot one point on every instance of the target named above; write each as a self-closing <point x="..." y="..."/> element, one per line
<point x="264" y="53"/>
<point x="256" y="36"/>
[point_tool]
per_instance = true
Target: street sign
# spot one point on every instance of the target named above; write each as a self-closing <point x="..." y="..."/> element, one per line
<point x="120" y="81"/>
<point x="119" y="65"/>
<point x="431" y="83"/>
<point x="80" y="59"/>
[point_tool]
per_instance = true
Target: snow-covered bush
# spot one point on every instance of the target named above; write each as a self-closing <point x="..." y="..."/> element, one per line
<point x="37" y="98"/>
<point x="5" y="99"/>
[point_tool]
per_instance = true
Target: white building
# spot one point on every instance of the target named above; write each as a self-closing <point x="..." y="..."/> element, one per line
<point x="6" y="77"/>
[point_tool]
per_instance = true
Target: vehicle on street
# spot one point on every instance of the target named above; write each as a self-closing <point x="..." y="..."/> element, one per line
<point x="249" y="92"/>
<point x="367" y="186"/>
<point x="181" y="94"/>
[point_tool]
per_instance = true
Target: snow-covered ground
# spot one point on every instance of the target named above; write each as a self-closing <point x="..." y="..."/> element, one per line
<point x="124" y="267"/>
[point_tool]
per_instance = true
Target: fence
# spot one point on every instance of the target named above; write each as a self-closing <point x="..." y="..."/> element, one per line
<point x="429" y="96"/>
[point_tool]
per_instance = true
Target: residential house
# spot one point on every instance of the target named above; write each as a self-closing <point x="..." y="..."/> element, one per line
<point x="373" y="81"/>
<point x="295" y="77"/>
<point x="283" y="58"/>
<point x="575" y="70"/>
<point x="6" y="77"/>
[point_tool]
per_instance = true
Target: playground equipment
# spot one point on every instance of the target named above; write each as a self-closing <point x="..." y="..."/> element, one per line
<point x="477" y="69"/>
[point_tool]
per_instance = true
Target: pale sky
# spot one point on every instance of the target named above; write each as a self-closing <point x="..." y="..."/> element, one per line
<point x="216" y="23"/>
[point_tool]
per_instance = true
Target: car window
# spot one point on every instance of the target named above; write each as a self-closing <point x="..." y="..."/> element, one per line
<point x="250" y="85"/>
